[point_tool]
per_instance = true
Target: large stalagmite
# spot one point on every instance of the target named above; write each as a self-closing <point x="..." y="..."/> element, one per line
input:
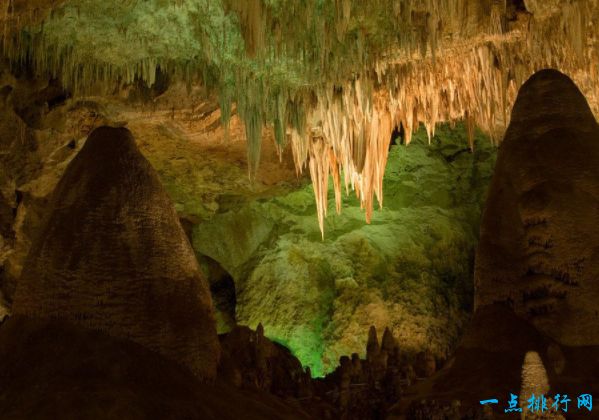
<point x="112" y="256"/>
<point x="535" y="327"/>
<point x="540" y="231"/>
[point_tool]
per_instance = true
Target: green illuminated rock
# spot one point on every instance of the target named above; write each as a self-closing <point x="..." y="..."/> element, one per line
<point x="410" y="269"/>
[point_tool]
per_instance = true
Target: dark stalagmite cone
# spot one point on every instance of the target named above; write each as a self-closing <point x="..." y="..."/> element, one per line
<point x="388" y="342"/>
<point x="539" y="231"/>
<point x="112" y="256"/>
<point x="372" y="346"/>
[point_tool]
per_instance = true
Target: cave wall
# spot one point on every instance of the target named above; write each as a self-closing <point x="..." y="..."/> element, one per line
<point x="409" y="269"/>
<point x="40" y="132"/>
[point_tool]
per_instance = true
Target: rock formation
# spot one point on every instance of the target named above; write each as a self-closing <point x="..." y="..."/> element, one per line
<point x="333" y="84"/>
<point x="535" y="326"/>
<point x="540" y="231"/>
<point x="54" y="369"/>
<point x="113" y="294"/>
<point x="316" y="296"/>
<point x="357" y="389"/>
<point x="362" y="389"/>
<point x="112" y="256"/>
<point x="251" y="361"/>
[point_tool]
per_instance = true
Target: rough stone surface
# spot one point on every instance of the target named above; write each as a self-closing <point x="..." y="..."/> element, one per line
<point x="56" y="370"/>
<point x="251" y="361"/>
<point x="41" y="129"/>
<point x="540" y="231"/>
<point x="410" y="270"/>
<point x="113" y="256"/>
<point x="401" y="271"/>
<point x="535" y="324"/>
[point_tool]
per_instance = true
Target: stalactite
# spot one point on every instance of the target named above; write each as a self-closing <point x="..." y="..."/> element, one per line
<point x="498" y="9"/>
<point x="332" y="77"/>
<point x="252" y="20"/>
<point x="479" y="88"/>
<point x="319" y="171"/>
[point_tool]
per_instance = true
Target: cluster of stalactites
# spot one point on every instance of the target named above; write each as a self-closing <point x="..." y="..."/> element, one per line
<point x="342" y="37"/>
<point x="83" y="77"/>
<point x="352" y="74"/>
<point x="27" y="42"/>
<point x="16" y="13"/>
<point x="350" y="128"/>
<point x="349" y="138"/>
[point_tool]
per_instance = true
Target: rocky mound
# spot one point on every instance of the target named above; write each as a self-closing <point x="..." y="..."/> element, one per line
<point x="252" y="361"/>
<point x="53" y="369"/>
<point x="539" y="242"/>
<point x="112" y="256"/>
<point x="535" y="328"/>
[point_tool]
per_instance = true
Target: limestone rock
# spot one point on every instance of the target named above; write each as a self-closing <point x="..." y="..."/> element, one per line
<point x="534" y="377"/>
<point x="112" y="256"/>
<point x="41" y="130"/>
<point x="388" y="343"/>
<point x="364" y="389"/>
<point x="426" y="364"/>
<point x="540" y="231"/>
<point x="535" y="322"/>
<point x="252" y="361"/>
<point x="410" y="269"/>
<point x="54" y="369"/>
<point x="372" y="346"/>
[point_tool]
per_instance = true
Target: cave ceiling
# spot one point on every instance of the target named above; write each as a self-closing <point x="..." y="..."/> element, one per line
<point x="330" y="79"/>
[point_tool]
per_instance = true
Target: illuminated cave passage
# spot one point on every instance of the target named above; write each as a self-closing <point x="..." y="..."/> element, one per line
<point x="281" y="209"/>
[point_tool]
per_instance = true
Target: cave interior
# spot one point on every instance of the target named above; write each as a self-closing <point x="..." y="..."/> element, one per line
<point x="299" y="209"/>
